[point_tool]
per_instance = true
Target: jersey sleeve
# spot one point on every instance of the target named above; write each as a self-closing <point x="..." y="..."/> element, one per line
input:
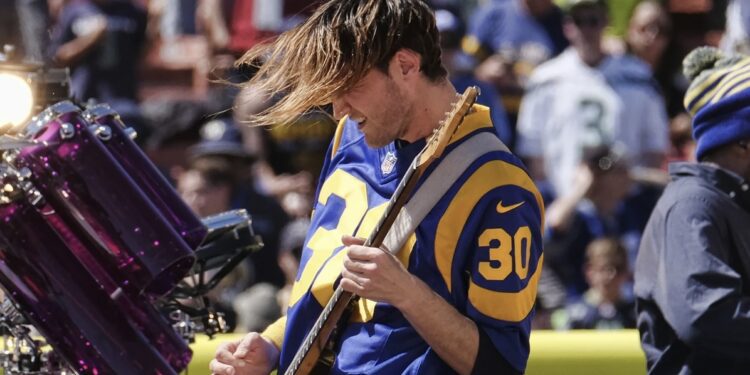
<point x="491" y="235"/>
<point x="504" y="270"/>
<point x="275" y="331"/>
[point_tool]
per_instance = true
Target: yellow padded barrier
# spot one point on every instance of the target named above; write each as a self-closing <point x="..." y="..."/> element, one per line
<point x="586" y="352"/>
<point x="552" y="352"/>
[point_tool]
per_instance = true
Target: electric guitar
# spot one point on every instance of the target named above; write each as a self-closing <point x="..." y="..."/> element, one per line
<point x="307" y="358"/>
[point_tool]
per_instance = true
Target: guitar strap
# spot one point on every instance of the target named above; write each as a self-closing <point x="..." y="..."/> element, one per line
<point x="437" y="184"/>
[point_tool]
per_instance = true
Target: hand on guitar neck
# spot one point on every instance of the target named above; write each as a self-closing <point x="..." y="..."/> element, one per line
<point x="252" y="355"/>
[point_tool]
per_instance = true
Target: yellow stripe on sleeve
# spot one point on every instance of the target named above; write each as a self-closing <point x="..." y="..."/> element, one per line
<point x="451" y="224"/>
<point x="508" y="306"/>
<point x="275" y="331"/>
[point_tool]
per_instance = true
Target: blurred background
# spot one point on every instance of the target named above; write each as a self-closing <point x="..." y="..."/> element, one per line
<point x="599" y="153"/>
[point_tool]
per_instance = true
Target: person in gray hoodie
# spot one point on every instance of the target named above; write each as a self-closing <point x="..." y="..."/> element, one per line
<point x="692" y="274"/>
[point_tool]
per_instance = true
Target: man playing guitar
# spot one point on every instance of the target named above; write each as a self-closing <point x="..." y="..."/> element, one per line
<point x="457" y="295"/>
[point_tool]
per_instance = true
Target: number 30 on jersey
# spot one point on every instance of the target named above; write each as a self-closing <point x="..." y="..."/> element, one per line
<point x="508" y="253"/>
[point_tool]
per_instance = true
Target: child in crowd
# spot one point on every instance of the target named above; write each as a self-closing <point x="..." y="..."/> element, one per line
<point x="603" y="305"/>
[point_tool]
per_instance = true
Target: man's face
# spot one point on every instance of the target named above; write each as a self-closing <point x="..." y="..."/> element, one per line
<point x="649" y="29"/>
<point x="205" y="200"/>
<point x="379" y="105"/>
<point x="585" y="26"/>
<point x="604" y="277"/>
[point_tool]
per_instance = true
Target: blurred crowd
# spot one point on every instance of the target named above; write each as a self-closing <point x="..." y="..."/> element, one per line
<point x="588" y="93"/>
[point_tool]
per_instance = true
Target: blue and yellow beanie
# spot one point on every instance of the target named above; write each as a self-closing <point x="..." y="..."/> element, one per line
<point x="718" y="97"/>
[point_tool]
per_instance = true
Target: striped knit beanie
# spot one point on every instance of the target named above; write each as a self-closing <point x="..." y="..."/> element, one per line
<point x="718" y="97"/>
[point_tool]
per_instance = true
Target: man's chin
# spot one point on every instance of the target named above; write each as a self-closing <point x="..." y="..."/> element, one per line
<point x="376" y="143"/>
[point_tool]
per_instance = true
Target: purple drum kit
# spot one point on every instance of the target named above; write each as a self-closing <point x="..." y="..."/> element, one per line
<point x="97" y="251"/>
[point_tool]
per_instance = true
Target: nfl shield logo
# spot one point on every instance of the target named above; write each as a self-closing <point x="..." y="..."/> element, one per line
<point x="389" y="162"/>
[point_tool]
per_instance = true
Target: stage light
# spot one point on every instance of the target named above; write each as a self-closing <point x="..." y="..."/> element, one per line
<point x="26" y="88"/>
<point x="16" y="100"/>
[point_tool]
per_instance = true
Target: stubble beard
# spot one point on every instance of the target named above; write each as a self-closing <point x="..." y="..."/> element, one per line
<point x="396" y="117"/>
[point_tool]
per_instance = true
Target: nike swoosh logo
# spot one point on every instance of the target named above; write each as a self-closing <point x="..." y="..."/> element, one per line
<point x="505" y="209"/>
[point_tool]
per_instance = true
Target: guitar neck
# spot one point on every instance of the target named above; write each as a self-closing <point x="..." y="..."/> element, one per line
<point x="399" y="198"/>
<point x="309" y="352"/>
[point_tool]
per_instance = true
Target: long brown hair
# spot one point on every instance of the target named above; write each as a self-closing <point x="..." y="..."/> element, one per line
<point x="309" y="65"/>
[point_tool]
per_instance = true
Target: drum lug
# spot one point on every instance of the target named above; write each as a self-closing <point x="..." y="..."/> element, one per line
<point x="103" y="132"/>
<point x="131" y="133"/>
<point x="67" y="130"/>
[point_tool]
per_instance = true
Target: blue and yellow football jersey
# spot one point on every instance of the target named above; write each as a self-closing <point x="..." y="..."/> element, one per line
<point x="480" y="248"/>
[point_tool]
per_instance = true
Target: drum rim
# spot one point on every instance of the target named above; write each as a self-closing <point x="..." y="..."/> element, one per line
<point x="50" y="113"/>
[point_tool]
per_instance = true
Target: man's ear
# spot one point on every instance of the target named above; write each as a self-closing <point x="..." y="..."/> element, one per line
<point x="407" y="63"/>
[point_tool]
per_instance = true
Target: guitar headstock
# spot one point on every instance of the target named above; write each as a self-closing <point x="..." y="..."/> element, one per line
<point x="442" y="135"/>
